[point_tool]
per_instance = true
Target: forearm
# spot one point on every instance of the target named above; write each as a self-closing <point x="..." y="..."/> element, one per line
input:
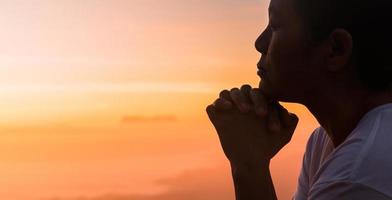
<point x="253" y="183"/>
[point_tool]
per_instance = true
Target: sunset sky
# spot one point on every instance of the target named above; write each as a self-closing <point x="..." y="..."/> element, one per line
<point x="105" y="99"/>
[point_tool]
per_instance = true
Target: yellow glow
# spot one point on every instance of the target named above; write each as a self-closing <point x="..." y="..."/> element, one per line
<point x="108" y="97"/>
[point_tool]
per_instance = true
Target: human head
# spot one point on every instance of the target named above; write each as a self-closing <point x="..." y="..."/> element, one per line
<point x="368" y="23"/>
<point x="325" y="41"/>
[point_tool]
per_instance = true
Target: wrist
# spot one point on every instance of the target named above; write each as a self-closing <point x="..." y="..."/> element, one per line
<point x="253" y="181"/>
<point x="250" y="168"/>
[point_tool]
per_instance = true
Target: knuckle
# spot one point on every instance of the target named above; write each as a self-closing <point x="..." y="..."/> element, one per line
<point x="223" y="93"/>
<point x="209" y="108"/>
<point x="220" y="104"/>
<point x="234" y="90"/>
<point x="245" y="90"/>
<point x="234" y="93"/>
<point x="216" y="102"/>
<point x="246" y="87"/>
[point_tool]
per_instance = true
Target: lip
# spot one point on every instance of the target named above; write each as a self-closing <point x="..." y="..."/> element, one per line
<point x="261" y="72"/>
<point x="259" y="66"/>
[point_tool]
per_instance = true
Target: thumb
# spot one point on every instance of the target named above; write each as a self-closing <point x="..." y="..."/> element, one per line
<point x="291" y="124"/>
<point x="288" y="119"/>
<point x="293" y="120"/>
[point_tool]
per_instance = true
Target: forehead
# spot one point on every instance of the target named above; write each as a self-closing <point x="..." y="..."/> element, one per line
<point x="284" y="13"/>
<point x="282" y="7"/>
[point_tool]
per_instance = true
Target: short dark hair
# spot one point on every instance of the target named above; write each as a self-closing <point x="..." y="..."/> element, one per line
<point x="367" y="21"/>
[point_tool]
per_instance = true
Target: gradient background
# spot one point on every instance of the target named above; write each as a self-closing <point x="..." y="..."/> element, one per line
<point x="105" y="99"/>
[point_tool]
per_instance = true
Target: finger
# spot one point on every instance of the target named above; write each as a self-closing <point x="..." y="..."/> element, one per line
<point x="221" y="104"/>
<point x="288" y="119"/>
<point x="259" y="101"/>
<point x="211" y="110"/>
<point x="212" y="115"/>
<point x="245" y="90"/>
<point x="239" y="100"/>
<point x="274" y="124"/>
<point x="225" y="94"/>
<point x="284" y="116"/>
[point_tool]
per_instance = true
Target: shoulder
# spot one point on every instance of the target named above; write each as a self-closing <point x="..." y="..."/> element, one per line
<point x="346" y="190"/>
<point x="317" y="145"/>
<point x="316" y="139"/>
<point x="362" y="159"/>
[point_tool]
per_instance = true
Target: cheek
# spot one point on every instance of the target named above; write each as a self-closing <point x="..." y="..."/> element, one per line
<point x="286" y="55"/>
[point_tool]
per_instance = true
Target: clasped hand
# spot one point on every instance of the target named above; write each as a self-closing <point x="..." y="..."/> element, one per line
<point x="251" y="128"/>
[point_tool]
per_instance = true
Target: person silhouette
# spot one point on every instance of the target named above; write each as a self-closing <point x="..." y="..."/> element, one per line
<point x="331" y="56"/>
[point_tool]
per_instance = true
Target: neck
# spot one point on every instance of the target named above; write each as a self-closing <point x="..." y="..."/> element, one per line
<point x="339" y="110"/>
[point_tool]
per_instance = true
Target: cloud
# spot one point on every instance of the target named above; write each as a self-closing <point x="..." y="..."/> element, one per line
<point x="139" y="118"/>
<point x="198" y="184"/>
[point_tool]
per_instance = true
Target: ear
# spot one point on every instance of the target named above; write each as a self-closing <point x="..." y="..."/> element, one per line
<point x="340" y="45"/>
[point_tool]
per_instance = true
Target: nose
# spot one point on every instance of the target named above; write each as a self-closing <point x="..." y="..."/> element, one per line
<point x="262" y="42"/>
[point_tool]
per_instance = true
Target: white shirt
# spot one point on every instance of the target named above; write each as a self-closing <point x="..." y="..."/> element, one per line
<point x="359" y="168"/>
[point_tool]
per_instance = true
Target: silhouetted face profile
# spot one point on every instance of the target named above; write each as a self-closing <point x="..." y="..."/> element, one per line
<point x="291" y="67"/>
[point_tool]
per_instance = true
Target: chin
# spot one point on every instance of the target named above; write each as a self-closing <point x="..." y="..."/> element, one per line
<point x="267" y="91"/>
<point x="274" y="94"/>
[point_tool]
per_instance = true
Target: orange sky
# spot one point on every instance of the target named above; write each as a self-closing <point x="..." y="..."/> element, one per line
<point x="106" y="99"/>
